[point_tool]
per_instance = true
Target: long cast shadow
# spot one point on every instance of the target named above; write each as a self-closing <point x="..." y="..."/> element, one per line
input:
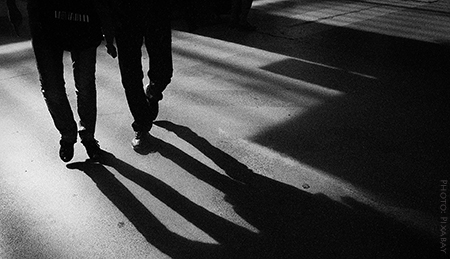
<point x="145" y="222"/>
<point x="387" y="133"/>
<point x="293" y="223"/>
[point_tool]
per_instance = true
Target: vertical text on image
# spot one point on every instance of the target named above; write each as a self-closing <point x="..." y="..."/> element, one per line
<point x="443" y="215"/>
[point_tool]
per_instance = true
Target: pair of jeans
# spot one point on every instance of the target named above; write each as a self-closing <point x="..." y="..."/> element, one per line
<point x="49" y="60"/>
<point x="155" y="34"/>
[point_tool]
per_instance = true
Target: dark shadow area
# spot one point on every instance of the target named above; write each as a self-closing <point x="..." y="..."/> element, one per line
<point x="394" y="148"/>
<point x="334" y="78"/>
<point x="389" y="136"/>
<point x="381" y="56"/>
<point x="194" y="14"/>
<point x="291" y="223"/>
<point x="145" y="222"/>
<point x="387" y="132"/>
<point x="7" y="34"/>
<point x="6" y="28"/>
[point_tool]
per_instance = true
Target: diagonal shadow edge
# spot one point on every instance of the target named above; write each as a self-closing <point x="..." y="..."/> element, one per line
<point x="299" y="211"/>
<point x="145" y="222"/>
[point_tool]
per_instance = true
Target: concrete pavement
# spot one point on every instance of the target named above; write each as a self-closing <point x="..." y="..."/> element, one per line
<point x="319" y="136"/>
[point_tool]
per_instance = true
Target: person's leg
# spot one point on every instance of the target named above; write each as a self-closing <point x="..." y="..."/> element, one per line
<point x="129" y="46"/>
<point x="158" y="42"/>
<point x="49" y="61"/>
<point x="83" y="63"/>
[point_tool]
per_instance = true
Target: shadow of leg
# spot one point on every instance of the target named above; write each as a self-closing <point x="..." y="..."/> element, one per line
<point x="145" y="222"/>
<point x="298" y="223"/>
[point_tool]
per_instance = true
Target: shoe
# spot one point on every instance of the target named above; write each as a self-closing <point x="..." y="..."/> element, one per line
<point x="141" y="141"/>
<point x="92" y="149"/>
<point x="66" y="151"/>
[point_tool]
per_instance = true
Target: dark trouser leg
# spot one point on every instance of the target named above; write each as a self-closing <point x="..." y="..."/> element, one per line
<point x="84" y="62"/>
<point x="158" y="42"/>
<point x="49" y="60"/>
<point x="129" y="44"/>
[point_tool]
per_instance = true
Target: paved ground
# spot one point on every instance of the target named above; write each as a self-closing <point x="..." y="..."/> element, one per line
<point x="318" y="136"/>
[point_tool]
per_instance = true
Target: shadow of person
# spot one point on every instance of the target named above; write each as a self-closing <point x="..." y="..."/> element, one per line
<point x="145" y="222"/>
<point x="293" y="223"/>
<point x="232" y="238"/>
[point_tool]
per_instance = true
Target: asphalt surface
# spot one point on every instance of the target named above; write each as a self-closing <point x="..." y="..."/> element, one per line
<point x="320" y="135"/>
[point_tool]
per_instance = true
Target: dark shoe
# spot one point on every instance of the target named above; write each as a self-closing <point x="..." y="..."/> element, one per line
<point x="92" y="149"/>
<point x="141" y="141"/>
<point x="66" y="150"/>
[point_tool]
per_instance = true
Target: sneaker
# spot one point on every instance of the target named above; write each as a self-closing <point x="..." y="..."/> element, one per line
<point x="92" y="149"/>
<point x="141" y="141"/>
<point x="66" y="150"/>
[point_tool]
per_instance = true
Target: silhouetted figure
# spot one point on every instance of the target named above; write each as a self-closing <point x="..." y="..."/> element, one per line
<point x="74" y="26"/>
<point x="144" y="22"/>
